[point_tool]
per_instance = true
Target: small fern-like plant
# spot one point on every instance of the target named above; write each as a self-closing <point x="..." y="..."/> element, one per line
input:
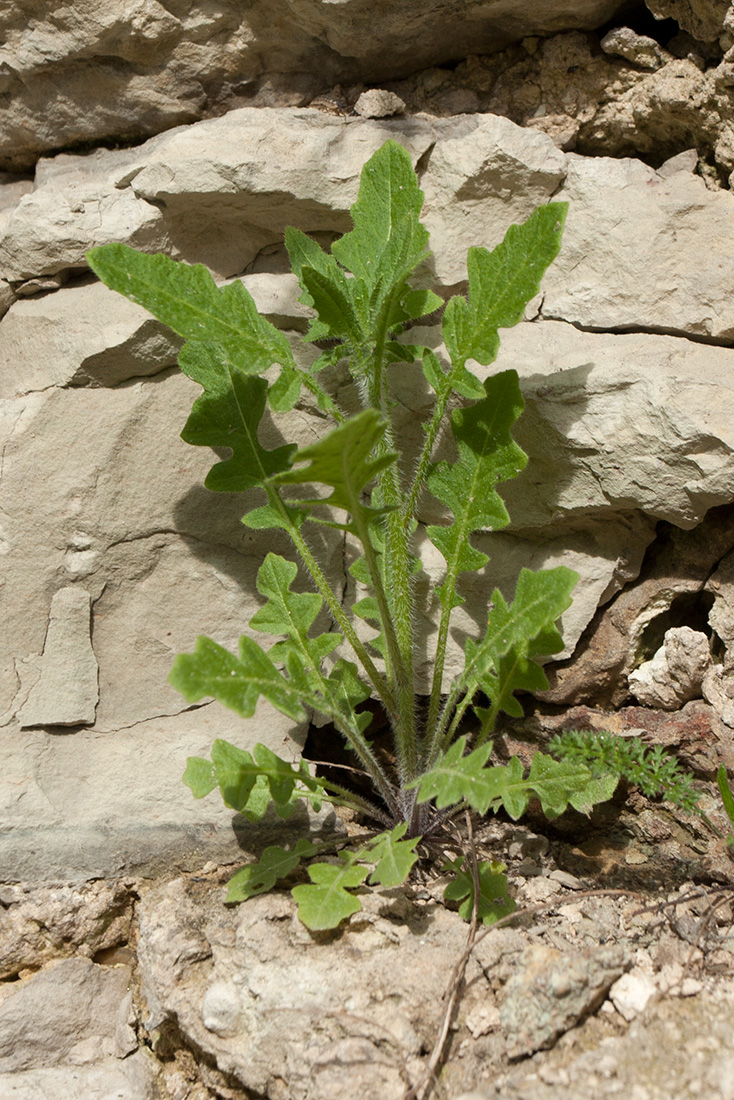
<point x="363" y="303"/>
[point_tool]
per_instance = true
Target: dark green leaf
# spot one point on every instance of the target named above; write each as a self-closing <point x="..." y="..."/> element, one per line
<point x="228" y="414"/>
<point x="494" y="901"/>
<point x="274" y="864"/>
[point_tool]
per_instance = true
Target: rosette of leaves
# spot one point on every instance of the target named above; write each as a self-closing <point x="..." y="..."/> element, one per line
<point x="363" y="304"/>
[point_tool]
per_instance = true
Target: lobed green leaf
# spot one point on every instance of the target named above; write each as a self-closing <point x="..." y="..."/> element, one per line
<point x="342" y="460"/>
<point x="228" y="414"/>
<point x="487" y="455"/>
<point x="325" y="902"/>
<point x="494" y="901"/>
<point x="274" y="864"/>
<point x="395" y="857"/>
<point x="501" y="283"/>
<point x="238" y="682"/>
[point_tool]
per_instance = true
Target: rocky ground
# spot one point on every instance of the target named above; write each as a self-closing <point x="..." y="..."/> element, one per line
<point x="618" y="980"/>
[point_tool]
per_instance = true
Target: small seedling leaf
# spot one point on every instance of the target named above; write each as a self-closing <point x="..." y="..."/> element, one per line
<point x="325" y="902"/>
<point x="274" y="864"/>
<point x="494" y="901"/>
<point x="395" y="857"/>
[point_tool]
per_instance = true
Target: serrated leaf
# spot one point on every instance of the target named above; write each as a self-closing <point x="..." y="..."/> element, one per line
<point x="502" y="662"/>
<point x="274" y="864"/>
<point x="494" y="901"/>
<point x="501" y="283"/>
<point x="487" y="455"/>
<point x="343" y="461"/>
<point x="326" y="901"/>
<point x="388" y="240"/>
<point x="238" y="682"/>
<point x="332" y="297"/>
<point x="347" y="691"/>
<point x="286" y="612"/>
<point x="249" y="782"/>
<point x="455" y="777"/>
<point x="559" y="782"/>
<point x="395" y="857"/>
<point x="186" y="298"/>
<point x="199" y="776"/>
<point x="228" y="414"/>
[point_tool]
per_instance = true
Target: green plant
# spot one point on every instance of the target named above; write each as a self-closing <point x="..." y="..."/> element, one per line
<point x="652" y="769"/>
<point x="727" y="799"/>
<point x="364" y="303"/>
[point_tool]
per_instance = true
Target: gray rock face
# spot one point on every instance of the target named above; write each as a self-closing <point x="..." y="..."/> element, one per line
<point x="41" y="923"/>
<point x="66" y="692"/>
<point x="81" y="336"/>
<point x="623" y="430"/>
<point x="654" y="279"/>
<point x="676" y="673"/>
<point x="67" y="1031"/>
<point x="551" y="990"/>
<point x="348" y="1020"/>
<point x="704" y="19"/>
<point x="134" y="70"/>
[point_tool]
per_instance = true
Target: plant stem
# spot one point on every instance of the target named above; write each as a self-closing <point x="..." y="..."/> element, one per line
<point x="356" y="740"/>
<point x="398" y="569"/>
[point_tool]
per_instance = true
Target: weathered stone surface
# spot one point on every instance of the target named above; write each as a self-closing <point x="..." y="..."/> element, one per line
<point x="66" y="692"/>
<point x="97" y="805"/>
<point x="670" y="591"/>
<point x="675" y="673"/>
<point x="133" y="1078"/>
<point x="355" y="1012"/>
<point x="676" y="1047"/>
<point x="551" y="991"/>
<point x="637" y="48"/>
<point x="110" y="71"/>
<point x="610" y="423"/>
<point x="666" y="111"/>
<point x="77" y="203"/>
<point x="163" y="560"/>
<point x="621" y="267"/>
<point x="377" y="103"/>
<point x="70" y="1013"/>
<point x="704" y="19"/>
<point x="82" y="335"/>
<point x="41" y="923"/>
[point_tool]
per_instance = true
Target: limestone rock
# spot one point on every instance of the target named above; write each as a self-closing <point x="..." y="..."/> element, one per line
<point x="718" y="690"/>
<point x="670" y="587"/>
<point x="358" y="1005"/>
<point x="377" y="103"/>
<point x="76" y="205"/>
<point x="41" y="923"/>
<point x="550" y="991"/>
<point x="82" y="335"/>
<point x="66" y="692"/>
<point x="637" y="48"/>
<point x="136" y="1077"/>
<point x="484" y="174"/>
<point x="704" y="19"/>
<point x="621" y="267"/>
<point x="96" y="805"/>
<point x="631" y="993"/>
<point x="108" y="71"/>
<point x="675" y="674"/>
<point x="70" y="1013"/>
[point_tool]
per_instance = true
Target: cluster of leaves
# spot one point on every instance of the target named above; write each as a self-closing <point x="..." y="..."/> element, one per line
<point x="652" y="769"/>
<point x="364" y="304"/>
